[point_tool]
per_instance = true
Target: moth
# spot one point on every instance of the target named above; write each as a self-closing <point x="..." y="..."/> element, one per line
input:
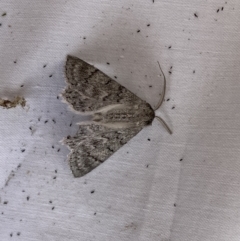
<point x="116" y="115"/>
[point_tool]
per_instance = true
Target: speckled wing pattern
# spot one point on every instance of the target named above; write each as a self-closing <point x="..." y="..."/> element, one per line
<point x="93" y="144"/>
<point x="90" y="89"/>
<point x="118" y="115"/>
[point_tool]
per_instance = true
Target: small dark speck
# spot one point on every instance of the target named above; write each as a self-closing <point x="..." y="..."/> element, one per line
<point x="52" y="147"/>
<point x="58" y="150"/>
<point x="150" y="86"/>
<point x="39" y="118"/>
<point x="168" y="99"/>
<point x="148" y="25"/>
<point x="194" y="71"/>
<point x="18" y="233"/>
<point x="28" y="198"/>
<point x="222" y="8"/>
<point x="54" y="121"/>
<point x="23" y="150"/>
<point x="115" y="77"/>
<point x="108" y="63"/>
<point x="0" y="24"/>
<point x="21" y="86"/>
<point x="147" y="166"/>
<point x="55" y="177"/>
<point x="70" y="124"/>
<point x="169" y="47"/>
<point x="23" y="190"/>
<point x="84" y="37"/>
<point x="149" y="139"/>
<point x="173" y="107"/>
<point x="15" y="61"/>
<point x="92" y="191"/>
<point x="44" y="66"/>
<point x="5" y="202"/>
<point x="170" y="72"/>
<point x="46" y="121"/>
<point x="58" y="97"/>
<point x="50" y="201"/>
<point x="4" y="14"/>
<point x="50" y="76"/>
<point x="138" y="31"/>
<point x="196" y="15"/>
<point x="218" y="10"/>
<point x="174" y="204"/>
<point x="53" y="208"/>
<point x="11" y="234"/>
<point x="180" y="159"/>
<point x="55" y="171"/>
<point x="95" y="213"/>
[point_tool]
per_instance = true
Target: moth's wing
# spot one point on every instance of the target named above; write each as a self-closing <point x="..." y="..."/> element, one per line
<point x="89" y="89"/>
<point x="93" y="144"/>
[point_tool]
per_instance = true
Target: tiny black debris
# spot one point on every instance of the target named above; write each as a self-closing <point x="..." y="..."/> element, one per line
<point x="196" y="15"/>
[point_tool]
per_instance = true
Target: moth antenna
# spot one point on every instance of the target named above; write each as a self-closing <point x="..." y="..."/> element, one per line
<point x="164" y="124"/>
<point x="164" y="89"/>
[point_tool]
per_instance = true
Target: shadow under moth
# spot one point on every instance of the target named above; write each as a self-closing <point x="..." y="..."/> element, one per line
<point x="117" y="115"/>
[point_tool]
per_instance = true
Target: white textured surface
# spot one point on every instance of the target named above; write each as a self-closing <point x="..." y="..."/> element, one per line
<point x="195" y="199"/>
